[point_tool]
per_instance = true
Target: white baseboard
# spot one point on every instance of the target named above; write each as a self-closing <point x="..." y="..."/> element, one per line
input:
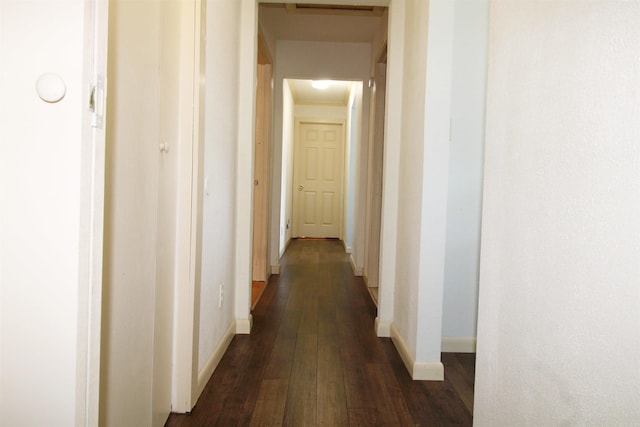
<point x="431" y="371"/>
<point x="286" y="245"/>
<point x="212" y="363"/>
<point x="383" y="329"/>
<point x="368" y="281"/>
<point x="243" y="326"/>
<point x="458" y="344"/>
<point x="275" y="268"/>
<point x="357" y="271"/>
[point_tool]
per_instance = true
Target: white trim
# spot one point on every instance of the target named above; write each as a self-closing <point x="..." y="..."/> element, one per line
<point x="207" y="370"/>
<point x="393" y="131"/>
<point x="91" y="243"/>
<point x="368" y="281"/>
<point x="189" y="213"/>
<point x="275" y="268"/>
<point x="431" y="371"/>
<point x="284" y="249"/>
<point x="243" y="326"/>
<point x="357" y="271"/>
<point x="428" y="371"/>
<point x="244" y="157"/>
<point x="458" y="344"/>
<point x="391" y="161"/>
<point x="383" y="329"/>
<point x="403" y="350"/>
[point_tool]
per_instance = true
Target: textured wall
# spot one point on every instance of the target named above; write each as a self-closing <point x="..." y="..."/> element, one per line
<point x="559" y="325"/>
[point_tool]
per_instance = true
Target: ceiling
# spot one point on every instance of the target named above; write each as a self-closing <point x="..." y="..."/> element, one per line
<point x="333" y="9"/>
<point x="336" y="94"/>
<point x="322" y="23"/>
<point x="303" y="24"/>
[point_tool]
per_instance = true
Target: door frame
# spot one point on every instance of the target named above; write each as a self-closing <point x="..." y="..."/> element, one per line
<point x="262" y="164"/>
<point x="92" y="217"/>
<point x="189" y="201"/>
<point x="391" y="169"/>
<point x="371" y="265"/>
<point x="323" y="121"/>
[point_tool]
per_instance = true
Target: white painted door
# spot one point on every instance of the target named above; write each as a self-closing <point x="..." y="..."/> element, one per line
<point x="318" y="173"/>
<point x="51" y="191"/>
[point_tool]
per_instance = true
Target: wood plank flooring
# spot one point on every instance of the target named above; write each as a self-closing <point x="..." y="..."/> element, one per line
<point x="313" y="359"/>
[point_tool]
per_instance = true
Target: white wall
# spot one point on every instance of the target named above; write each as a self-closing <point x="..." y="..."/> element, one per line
<point x="559" y="325"/>
<point x="321" y="111"/>
<point x="371" y="266"/>
<point x="410" y="178"/>
<point x="286" y="182"/>
<point x="466" y="156"/>
<point x="309" y="60"/>
<point x="391" y="168"/>
<point x="349" y="167"/>
<point x="359" y="166"/>
<point x="245" y="140"/>
<point x="42" y="155"/>
<point x="424" y="158"/>
<point x="171" y="86"/>
<point x="140" y="212"/>
<point x="219" y="174"/>
<point x="356" y="159"/>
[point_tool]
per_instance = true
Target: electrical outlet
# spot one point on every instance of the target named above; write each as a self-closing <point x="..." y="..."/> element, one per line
<point x="221" y="296"/>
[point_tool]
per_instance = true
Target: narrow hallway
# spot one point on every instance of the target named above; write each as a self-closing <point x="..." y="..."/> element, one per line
<point x="313" y="359"/>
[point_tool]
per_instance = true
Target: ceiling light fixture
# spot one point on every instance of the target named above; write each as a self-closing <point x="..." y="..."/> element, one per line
<point x="320" y="84"/>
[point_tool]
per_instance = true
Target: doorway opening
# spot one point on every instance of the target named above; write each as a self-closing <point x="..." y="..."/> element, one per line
<point x="318" y="44"/>
<point x="260" y="271"/>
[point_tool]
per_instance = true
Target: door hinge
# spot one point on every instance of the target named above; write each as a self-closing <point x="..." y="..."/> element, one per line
<point x="97" y="101"/>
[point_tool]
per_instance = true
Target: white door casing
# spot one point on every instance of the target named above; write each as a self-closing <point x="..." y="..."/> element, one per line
<point x="392" y="132"/>
<point x="318" y="179"/>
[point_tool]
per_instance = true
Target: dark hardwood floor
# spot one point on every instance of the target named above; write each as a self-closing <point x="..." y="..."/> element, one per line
<point x="313" y="359"/>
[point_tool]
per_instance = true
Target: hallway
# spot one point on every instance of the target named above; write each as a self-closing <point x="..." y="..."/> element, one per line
<point x="313" y="359"/>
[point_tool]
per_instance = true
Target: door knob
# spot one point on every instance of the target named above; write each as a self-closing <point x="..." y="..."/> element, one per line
<point x="300" y="187"/>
